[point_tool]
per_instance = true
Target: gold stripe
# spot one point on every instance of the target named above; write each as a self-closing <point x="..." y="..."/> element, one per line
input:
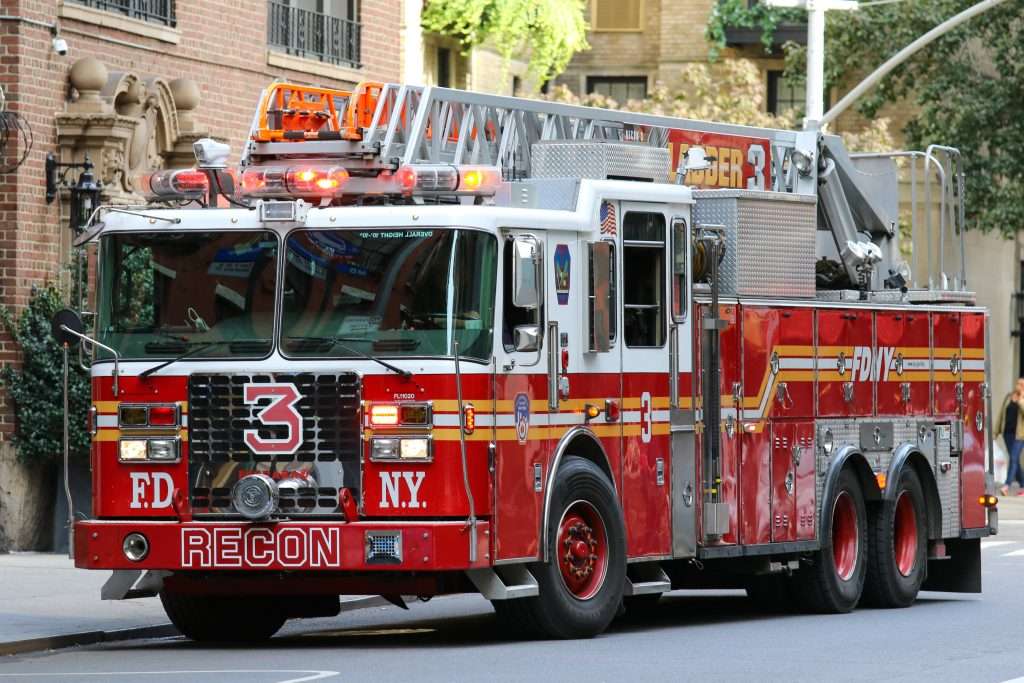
<point x="974" y="353"/>
<point x="108" y="434"/>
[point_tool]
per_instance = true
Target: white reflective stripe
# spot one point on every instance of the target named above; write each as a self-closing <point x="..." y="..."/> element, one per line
<point x="451" y="419"/>
<point x="916" y="364"/>
<point x="973" y="364"/>
<point x="184" y="420"/>
<point x="106" y="420"/>
<point x="796" y="363"/>
<point x="629" y="416"/>
<point x="831" y="363"/>
<point x="564" y="419"/>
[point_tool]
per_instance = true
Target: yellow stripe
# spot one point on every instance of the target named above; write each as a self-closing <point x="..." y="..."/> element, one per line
<point x="974" y="353"/>
<point x="115" y="434"/>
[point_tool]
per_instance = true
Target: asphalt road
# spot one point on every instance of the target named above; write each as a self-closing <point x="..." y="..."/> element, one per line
<point x="716" y="636"/>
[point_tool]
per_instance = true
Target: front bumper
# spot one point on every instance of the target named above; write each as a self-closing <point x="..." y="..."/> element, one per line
<point x="284" y="546"/>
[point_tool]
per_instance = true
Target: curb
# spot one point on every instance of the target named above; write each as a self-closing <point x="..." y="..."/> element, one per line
<point x="18" y="647"/>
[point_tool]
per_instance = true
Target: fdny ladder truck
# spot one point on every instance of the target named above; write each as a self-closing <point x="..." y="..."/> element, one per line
<point x="425" y="341"/>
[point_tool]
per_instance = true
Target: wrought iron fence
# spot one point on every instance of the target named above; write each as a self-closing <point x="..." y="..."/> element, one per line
<point x="156" y="11"/>
<point x="314" y="35"/>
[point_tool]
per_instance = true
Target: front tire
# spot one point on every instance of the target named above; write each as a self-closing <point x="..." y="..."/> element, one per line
<point x="898" y="545"/>
<point x="221" y="618"/>
<point x="834" y="580"/>
<point x="580" y="588"/>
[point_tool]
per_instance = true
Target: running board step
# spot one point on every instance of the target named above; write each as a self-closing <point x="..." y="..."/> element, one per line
<point x="514" y="581"/>
<point x="645" y="579"/>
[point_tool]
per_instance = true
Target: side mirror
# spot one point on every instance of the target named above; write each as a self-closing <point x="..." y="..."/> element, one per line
<point x="66" y="318"/>
<point x="525" y="272"/>
<point x="527" y="337"/>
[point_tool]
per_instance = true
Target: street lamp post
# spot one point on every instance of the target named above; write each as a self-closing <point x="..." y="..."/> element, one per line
<point x="815" y="51"/>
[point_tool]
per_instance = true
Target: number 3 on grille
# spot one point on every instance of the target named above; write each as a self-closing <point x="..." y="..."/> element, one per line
<point x="280" y="412"/>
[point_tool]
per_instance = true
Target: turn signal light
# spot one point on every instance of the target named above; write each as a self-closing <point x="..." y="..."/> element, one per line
<point x="611" y="410"/>
<point x="383" y="415"/>
<point x="880" y="478"/>
<point x="591" y="411"/>
<point x="988" y="500"/>
<point x="469" y="419"/>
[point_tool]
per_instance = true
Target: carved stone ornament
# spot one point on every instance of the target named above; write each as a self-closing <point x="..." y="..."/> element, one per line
<point x="129" y="125"/>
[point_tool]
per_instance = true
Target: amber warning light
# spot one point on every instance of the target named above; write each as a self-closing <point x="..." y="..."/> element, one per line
<point x="988" y="500"/>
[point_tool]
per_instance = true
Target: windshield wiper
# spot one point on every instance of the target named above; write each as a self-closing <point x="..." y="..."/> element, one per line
<point x="199" y="349"/>
<point x="337" y="341"/>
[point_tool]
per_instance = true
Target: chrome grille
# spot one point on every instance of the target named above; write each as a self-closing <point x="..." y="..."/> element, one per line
<point x="326" y="460"/>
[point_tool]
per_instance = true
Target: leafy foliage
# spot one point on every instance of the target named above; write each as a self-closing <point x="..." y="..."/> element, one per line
<point x="731" y="91"/>
<point x="37" y="386"/>
<point x="741" y="14"/>
<point x="551" y="31"/>
<point x="968" y="87"/>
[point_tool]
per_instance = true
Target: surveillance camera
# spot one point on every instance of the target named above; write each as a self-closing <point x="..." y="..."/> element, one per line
<point x="210" y="153"/>
<point x="60" y="46"/>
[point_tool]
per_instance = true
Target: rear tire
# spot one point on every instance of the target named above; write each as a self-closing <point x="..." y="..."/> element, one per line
<point x="221" y="618"/>
<point x="898" y="546"/>
<point x="834" y="580"/>
<point x="581" y="586"/>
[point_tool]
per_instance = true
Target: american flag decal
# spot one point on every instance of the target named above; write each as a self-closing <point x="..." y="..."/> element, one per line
<point x="608" y="219"/>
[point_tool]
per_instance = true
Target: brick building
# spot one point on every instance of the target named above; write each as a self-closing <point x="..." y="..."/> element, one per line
<point x="149" y="77"/>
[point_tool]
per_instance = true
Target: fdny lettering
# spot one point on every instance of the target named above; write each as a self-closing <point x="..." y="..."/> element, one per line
<point x="872" y="364"/>
<point x="260" y="547"/>
<point x="646" y="418"/>
<point x="391" y="489"/>
<point x="151" y="490"/>
<point x="281" y="412"/>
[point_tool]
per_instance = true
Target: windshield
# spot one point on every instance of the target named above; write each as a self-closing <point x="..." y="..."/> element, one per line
<point x="396" y="292"/>
<point x="203" y="293"/>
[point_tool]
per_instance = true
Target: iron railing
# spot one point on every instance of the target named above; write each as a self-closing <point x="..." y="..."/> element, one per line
<point x="313" y="35"/>
<point x="156" y="11"/>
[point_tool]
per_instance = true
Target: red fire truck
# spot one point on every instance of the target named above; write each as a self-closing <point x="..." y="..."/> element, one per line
<point x="425" y="341"/>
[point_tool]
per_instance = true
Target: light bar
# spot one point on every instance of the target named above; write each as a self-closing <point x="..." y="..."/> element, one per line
<point x="294" y="181"/>
<point x="182" y="183"/>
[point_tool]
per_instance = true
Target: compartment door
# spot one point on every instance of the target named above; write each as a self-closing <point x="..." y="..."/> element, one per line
<point x="845" y="364"/>
<point x="783" y="482"/>
<point x="946" y="363"/>
<point x="975" y="421"/>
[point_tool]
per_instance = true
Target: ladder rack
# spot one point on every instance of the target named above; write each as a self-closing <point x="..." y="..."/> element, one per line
<point x="430" y="125"/>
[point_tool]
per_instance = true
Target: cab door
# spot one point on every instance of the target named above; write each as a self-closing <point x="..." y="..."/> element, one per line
<point x="645" y="318"/>
<point x="520" y="411"/>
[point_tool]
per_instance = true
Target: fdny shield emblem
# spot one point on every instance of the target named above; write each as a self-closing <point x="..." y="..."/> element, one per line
<point x="522" y="416"/>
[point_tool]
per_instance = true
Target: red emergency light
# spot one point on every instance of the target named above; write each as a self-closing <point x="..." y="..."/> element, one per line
<point x="182" y="183"/>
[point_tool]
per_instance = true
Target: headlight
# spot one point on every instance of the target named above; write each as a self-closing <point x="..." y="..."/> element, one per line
<point x="384" y="449"/>
<point x="415" y="449"/>
<point x="132" y="450"/>
<point x="162" y="449"/>
<point x="148" y="450"/>
<point x="827" y="442"/>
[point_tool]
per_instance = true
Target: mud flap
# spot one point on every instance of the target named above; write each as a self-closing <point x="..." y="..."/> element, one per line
<point x="961" y="573"/>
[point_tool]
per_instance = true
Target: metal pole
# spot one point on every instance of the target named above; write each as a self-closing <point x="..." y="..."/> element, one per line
<point x="815" y="66"/>
<point x="897" y="59"/>
<point x="67" y="446"/>
<point x="471" y="522"/>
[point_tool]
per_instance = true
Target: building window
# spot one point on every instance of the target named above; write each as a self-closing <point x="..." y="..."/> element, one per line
<point x="784" y="95"/>
<point x="617" y="15"/>
<point x="443" y="77"/>
<point x="619" y="88"/>
<point x="325" y="30"/>
<point x="155" y="11"/>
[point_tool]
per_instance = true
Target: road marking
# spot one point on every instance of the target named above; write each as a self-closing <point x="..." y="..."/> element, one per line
<point x="993" y="544"/>
<point x="312" y="674"/>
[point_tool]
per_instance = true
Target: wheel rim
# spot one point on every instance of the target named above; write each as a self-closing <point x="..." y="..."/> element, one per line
<point x="582" y="550"/>
<point x="845" y="537"/>
<point x="905" y="534"/>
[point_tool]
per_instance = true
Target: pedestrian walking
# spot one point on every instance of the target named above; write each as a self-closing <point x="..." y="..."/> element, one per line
<point x="1011" y="426"/>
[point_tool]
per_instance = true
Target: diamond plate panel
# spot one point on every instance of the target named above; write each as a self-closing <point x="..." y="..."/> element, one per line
<point x="771" y="238"/>
<point x="599" y="161"/>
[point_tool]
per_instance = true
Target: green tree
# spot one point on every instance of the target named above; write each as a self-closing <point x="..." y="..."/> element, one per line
<point x="551" y="31"/>
<point x="967" y="86"/>
<point x="37" y="385"/>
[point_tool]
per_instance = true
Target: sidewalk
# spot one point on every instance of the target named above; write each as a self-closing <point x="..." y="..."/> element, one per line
<point x="46" y="603"/>
<point x="43" y="597"/>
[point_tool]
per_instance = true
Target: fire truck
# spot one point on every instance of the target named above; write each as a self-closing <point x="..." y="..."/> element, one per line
<point x="425" y="341"/>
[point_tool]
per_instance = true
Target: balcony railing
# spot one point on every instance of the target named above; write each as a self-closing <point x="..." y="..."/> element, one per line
<point x="313" y="35"/>
<point x="156" y="11"/>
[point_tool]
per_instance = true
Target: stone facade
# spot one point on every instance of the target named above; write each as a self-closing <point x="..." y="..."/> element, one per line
<point x="134" y="94"/>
